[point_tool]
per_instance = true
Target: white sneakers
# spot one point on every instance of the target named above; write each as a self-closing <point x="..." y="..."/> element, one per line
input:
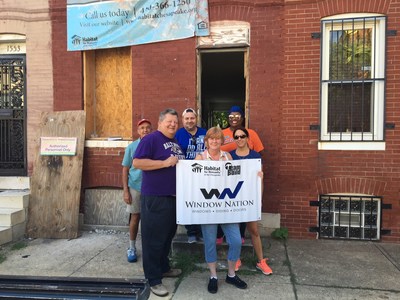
<point x="159" y="290"/>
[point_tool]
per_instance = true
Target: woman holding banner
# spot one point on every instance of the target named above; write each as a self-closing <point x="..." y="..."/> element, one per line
<point x="243" y="151"/>
<point x="213" y="140"/>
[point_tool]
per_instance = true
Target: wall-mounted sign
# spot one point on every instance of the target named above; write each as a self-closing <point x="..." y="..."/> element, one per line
<point x="58" y="145"/>
<point x="96" y="24"/>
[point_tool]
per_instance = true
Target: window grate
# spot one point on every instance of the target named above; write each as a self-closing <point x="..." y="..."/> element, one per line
<point x="350" y="217"/>
<point x="352" y="79"/>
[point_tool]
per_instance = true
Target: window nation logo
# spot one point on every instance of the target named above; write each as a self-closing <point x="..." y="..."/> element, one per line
<point x="225" y="192"/>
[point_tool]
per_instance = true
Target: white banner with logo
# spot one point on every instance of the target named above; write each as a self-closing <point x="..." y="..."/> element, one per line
<point x="217" y="192"/>
<point x="96" y="24"/>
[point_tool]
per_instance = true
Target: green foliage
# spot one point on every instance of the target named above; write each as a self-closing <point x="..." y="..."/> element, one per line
<point x="280" y="233"/>
<point x="220" y="118"/>
<point x="2" y="257"/>
<point x="350" y="54"/>
<point x="187" y="262"/>
<point x="18" y="245"/>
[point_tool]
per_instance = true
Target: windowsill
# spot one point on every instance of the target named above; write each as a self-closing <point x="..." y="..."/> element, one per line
<point x="105" y="143"/>
<point x="361" y="146"/>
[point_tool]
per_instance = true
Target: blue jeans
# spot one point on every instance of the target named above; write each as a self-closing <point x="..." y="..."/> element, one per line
<point x="232" y="235"/>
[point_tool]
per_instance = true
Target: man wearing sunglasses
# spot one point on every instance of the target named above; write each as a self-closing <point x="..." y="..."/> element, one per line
<point x="191" y="139"/>
<point x="235" y="119"/>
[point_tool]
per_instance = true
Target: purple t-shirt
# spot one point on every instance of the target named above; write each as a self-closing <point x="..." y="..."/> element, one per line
<point x="156" y="146"/>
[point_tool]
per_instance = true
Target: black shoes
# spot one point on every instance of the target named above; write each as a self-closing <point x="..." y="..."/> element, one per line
<point x="213" y="285"/>
<point x="236" y="281"/>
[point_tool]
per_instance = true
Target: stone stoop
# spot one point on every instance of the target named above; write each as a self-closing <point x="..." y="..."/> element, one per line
<point x="181" y="245"/>
<point x="268" y="223"/>
<point x="13" y="215"/>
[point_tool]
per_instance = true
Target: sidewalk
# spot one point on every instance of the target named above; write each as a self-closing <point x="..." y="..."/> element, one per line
<point x="303" y="269"/>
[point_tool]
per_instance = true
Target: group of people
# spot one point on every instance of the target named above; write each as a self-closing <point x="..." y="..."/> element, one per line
<point x="151" y="160"/>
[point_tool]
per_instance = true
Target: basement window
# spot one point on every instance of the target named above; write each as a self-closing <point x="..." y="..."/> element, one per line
<point x="350" y="217"/>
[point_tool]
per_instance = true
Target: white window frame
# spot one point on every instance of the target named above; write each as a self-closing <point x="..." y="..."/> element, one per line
<point x="355" y="141"/>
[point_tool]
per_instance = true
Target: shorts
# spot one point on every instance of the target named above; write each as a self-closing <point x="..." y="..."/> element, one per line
<point x="134" y="207"/>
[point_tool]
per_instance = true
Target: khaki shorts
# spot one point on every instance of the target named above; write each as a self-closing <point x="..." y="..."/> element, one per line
<point x="134" y="207"/>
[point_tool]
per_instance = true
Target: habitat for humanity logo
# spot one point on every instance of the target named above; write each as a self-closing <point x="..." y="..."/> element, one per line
<point x="207" y="170"/>
<point x="225" y="192"/>
<point x="77" y="40"/>
<point x="231" y="169"/>
<point x="197" y="168"/>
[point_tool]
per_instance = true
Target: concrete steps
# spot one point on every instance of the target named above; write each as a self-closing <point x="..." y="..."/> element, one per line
<point x="181" y="245"/>
<point x="13" y="214"/>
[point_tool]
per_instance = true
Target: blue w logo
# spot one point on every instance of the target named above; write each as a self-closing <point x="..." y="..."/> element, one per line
<point x="225" y="192"/>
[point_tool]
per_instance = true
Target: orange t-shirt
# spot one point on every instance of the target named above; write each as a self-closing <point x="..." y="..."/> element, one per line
<point x="254" y="141"/>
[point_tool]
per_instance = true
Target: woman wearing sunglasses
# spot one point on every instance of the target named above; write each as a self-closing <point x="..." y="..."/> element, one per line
<point x="243" y="151"/>
<point x="213" y="140"/>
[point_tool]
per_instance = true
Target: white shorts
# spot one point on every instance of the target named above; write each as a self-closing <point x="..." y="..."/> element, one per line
<point x="134" y="207"/>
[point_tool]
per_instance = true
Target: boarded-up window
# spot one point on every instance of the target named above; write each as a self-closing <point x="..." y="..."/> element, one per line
<point x="108" y="92"/>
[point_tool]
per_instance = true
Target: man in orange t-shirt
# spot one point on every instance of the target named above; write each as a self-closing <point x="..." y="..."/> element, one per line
<point x="235" y="121"/>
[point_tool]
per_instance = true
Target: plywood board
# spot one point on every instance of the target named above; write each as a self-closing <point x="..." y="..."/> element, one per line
<point x="56" y="180"/>
<point x="105" y="207"/>
<point x="113" y="96"/>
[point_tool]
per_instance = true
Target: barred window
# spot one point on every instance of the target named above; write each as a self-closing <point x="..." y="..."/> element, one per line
<point x="353" y="78"/>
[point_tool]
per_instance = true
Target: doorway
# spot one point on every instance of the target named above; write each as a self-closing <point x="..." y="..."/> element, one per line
<point x="13" y="160"/>
<point x="222" y="83"/>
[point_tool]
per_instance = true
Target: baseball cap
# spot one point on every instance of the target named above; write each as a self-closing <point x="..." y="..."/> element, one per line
<point x="143" y="121"/>
<point x="189" y="110"/>
<point x="236" y="109"/>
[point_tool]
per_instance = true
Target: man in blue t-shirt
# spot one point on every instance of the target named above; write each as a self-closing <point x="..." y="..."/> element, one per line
<point x="157" y="156"/>
<point x="132" y="183"/>
<point x="191" y="139"/>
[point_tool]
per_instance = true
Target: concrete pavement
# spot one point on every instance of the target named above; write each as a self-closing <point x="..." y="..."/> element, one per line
<point x="303" y="269"/>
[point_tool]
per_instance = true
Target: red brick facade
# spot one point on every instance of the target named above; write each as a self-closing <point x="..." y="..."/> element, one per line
<point x="284" y="100"/>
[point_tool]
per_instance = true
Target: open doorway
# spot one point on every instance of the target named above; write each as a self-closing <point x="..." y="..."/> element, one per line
<point x="222" y="83"/>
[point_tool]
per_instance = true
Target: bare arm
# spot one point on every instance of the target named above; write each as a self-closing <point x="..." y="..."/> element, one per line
<point x="127" y="194"/>
<point x="146" y="164"/>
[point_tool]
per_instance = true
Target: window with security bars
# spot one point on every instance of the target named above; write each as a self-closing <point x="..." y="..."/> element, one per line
<point x="353" y="78"/>
<point x="350" y="217"/>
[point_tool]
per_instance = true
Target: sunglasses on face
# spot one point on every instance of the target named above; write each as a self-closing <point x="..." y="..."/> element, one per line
<point x="243" y="136"/>
<point x="234" y="116"/>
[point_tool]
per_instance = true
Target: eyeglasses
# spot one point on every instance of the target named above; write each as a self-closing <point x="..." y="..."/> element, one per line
<point x="236" y="137"/>
<point x="234" y="116"/>
<point x="193" y="140"/>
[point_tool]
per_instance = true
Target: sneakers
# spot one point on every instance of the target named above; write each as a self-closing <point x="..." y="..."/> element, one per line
<point x="238" y="265"/>
<point x="220" y="240"/>
<point x="172" y="273"/>
<point x="213" y="285"/>
<point x="236" y="281"/>
<point x="159" y="290"/>
<point x="131" y="255"/>
<point x="263" y="267"/>
<point x="192" y="239"/>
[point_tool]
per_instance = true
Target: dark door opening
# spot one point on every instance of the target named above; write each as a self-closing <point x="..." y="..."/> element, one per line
<point x="222" y="85"/>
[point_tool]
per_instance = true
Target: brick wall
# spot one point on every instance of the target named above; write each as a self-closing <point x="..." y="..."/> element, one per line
<point x="67" y="66"/>
<point x="301" y="164"/>
<point x="163" y="76"/>
<point x="283" y="103"/>
<point x="102" y="167"/>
